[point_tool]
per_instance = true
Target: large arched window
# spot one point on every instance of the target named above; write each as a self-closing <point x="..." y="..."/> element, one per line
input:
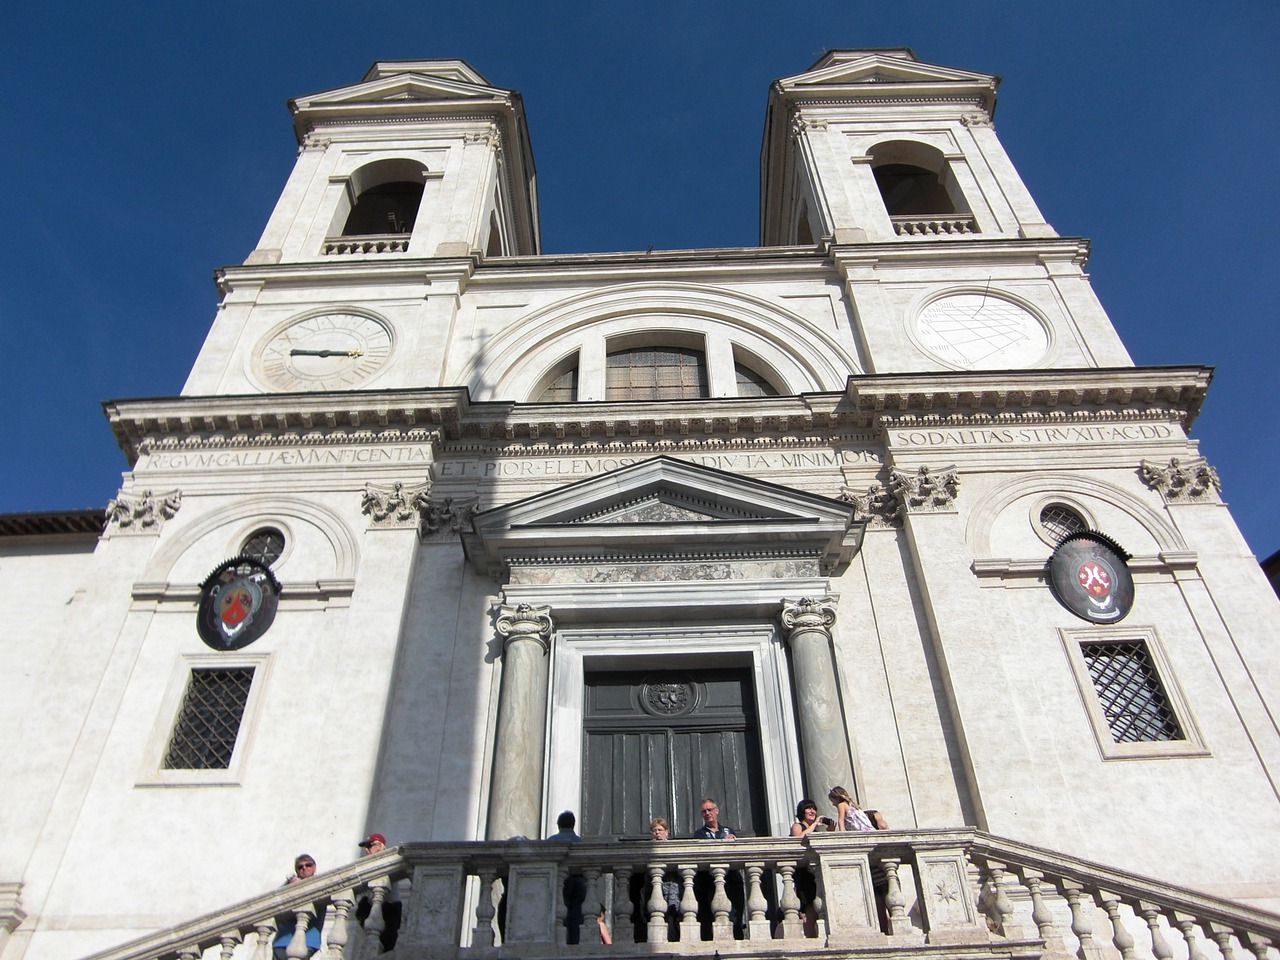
<point x="919" y="192"/>
<point x="655" y="373"/>
<point x="384" y="198"/>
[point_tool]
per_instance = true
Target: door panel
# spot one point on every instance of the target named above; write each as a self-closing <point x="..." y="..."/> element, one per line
<point x="656" y="743"/>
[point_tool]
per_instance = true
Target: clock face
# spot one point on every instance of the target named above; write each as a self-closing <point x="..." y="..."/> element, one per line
<point x="978" y="331"/>
<point x="331" y="351"/>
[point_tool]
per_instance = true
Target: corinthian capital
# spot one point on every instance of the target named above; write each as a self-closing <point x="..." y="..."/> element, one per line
<point x="144" y="512"/>
<point x="524" y="621"/>
<point x="808" y="613"/>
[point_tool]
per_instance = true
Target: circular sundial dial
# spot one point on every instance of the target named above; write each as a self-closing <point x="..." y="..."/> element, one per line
<point x="979" y="331"/>
<point x="327" y="351"/>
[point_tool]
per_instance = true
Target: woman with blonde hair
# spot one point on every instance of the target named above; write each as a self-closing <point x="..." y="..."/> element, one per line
<point x="848" y="814"/>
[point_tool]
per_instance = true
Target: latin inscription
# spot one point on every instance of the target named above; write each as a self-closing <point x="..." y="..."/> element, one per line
<point x="1012" y="436"/>
<point x="298" y="457"/>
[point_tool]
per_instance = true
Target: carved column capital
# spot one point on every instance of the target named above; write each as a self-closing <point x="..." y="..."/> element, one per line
<point x="524" y="621"/>
<point x="925" y="491"/>
<point x="878" y="506"/>
<point x="438" y="519"/>
<point x="391" y="505"/>
<point x="1177" y="482"/>
<point x="809" y="613"/>
<point x="143" y="512"/>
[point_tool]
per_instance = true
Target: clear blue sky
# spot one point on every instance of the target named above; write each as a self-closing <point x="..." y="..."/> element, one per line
<point x="146" y="142"/>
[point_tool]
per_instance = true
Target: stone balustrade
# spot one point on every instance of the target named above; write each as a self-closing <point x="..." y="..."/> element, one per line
<point x="368" y="243"/>
<point x="933" y="226"/>
<point x="950" y="893"/>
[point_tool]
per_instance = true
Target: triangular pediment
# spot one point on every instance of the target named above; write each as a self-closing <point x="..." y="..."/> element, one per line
<point x="852" y="67"/>
<point x="401" y="87"/>
<point x="665" y="507"/>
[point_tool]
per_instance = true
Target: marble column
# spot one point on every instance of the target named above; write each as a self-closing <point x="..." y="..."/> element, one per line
<point x="516" y="793"/>
<point x="807" y="623"/>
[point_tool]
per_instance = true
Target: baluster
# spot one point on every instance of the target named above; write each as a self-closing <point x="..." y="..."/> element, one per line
<point x="303" y="918"/>
<point x="1150" y="912"/>
<point x="1081" y="924"/>
<point x="228" y="942"/>
<point x="757" y="923"/>
<point x="894" y="901"/>
<point x="721" y="923"/>
<point x="1120" y="934"/>
<point x="1041" y="915"/>
<point x="690" y="929"/>
<point x="338" y="925"/>
<point x="562" y="907"/>
<point x="1222" y="937"/>
<point x="623" y="925"/>
<point x="1257" y="943"/>
<point x="266" y="931"/>
<point x="482" y="932"/>
<point x="1186" y="925"/>
<point x="792" y="925"/>
<point x="994" y="902"/>
<point x="188" y="951"/>
<point x="589" y="932"/>
<point x="375" y="923"/>
<point x="656" y="905"/>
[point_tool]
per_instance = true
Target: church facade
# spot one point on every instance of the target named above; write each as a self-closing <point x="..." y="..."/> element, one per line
<point x="445" y="535"/>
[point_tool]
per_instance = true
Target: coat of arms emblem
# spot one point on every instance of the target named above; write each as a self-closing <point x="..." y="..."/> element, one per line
<point x="237" y="603"/>
<point x="1090" y="577"/>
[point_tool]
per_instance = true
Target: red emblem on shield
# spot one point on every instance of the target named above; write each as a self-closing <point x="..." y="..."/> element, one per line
<point x="1094" y="578"/>
<point x="237" y="603"/>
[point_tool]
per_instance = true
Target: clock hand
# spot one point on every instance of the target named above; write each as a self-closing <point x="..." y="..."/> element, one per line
<point x="326" y="353"/>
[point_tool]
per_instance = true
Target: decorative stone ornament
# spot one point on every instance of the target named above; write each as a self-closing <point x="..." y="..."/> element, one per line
<point x="144" y="512"/>
<point x="524" y="621"/>
<point x="1090" y="576"/>
<point x="441" y="518"/>
<point x="925" y="492"/>
<point x="1177" y="482"/>
<point x="878" y="506"/>
<point x="393" y="504"/>
<point x="238" y="603"/>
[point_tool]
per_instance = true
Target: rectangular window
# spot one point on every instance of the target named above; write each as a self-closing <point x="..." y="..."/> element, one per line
<point x="1132" y="698"/>
<point x="204" y="736"/>
<point x="1130" y="694"/>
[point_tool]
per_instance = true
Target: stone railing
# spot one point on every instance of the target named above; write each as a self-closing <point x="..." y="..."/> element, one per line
<point x="933" y="226"/>
<point x="368" y="243"/>
<point x="955" y="893"/>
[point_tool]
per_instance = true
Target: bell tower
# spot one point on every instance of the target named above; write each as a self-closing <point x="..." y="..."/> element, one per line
<point x="404" y="182"/>
<point x="948" y="263"/>
<point x="422" y="158"/>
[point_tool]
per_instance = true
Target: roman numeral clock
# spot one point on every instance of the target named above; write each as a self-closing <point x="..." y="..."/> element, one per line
<point x="325" y="351"/>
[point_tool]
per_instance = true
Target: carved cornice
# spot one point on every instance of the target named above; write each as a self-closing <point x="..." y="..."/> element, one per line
<point x="524" y="621"/>
<point x="1194" y="481"/>
<point x="141" y="513"/>
<point x="449" y="417"/>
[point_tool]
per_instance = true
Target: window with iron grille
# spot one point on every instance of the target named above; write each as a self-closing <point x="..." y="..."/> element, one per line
<point x="204" y="736"/>
<point x="1059" y="521"/>
<point x="265" y="545"/>
<point x="752" y="384"/>
<point x="1135" y="704"/>
<point x="656" y="373"/>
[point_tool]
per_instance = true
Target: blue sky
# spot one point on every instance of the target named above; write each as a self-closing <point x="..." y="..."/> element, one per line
<point x="146" y="144"/>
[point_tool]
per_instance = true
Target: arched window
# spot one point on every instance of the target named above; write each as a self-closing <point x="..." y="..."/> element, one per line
<point x="752" y="384"/>
<point x="919" y="192"/>
<point x="385" y="196"/>
<point x="655" y="373"/>
<point x="563" y="387"/>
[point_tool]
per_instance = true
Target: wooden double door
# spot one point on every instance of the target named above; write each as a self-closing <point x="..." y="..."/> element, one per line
<point x="657" y="742"/>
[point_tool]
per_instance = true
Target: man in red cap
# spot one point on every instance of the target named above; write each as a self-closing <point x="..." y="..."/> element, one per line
<point x="371" y="846"/>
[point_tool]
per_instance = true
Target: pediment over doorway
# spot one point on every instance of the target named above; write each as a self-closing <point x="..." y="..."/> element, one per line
<point x="666" y="516"/>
